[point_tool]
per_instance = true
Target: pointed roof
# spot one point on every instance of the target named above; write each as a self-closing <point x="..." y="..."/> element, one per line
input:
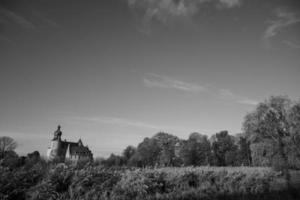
<point x="80" y="142"/>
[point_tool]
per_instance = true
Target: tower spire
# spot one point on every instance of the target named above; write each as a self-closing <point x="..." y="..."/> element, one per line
<point x="57" y="133"/>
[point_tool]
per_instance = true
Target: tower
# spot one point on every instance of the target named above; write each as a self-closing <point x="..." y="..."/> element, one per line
<point x="55" y="149"/>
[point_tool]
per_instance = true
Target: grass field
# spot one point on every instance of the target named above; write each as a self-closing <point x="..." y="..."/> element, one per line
<point x="65" y="182"/>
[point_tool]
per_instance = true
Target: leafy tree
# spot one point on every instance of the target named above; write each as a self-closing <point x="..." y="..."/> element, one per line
<point x="136" y="160"/>
<point x="275" y="121"/>
<point x="128" y="153"/>
<point x="244" y="152"/>
<point x="32" y="159"/>
<point x="158" y="150"/>
<point x="294" y="147"/>
<point x="6" y="144"/>
<point x="262" y="153"/>
<point x="196" y="150"/>
<point x="10" y="159"/>
<point x="166" y="143"/>
<point x="147" y="153"/>
<point x="224" y="149"/>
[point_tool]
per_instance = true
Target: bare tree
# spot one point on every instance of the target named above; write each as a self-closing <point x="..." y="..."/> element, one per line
<point x="7" y="144"/>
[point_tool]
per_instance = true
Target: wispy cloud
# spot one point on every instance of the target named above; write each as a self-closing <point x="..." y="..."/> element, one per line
<point x="124" y="122"/>
<point x="284" y="19"/>
<point x="12" y="17"/>
<point x="118" y="122"/>
<point x="165" y="11"/>
<point x="165" y="82"/>
<point x="41" y="18"/>
<point x="227" y="94"/>
<point x="155" y="80"/>
<point x="230" y="3"/>
<point x="292" y="45"/>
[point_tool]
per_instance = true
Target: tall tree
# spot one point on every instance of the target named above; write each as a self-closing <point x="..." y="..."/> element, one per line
<point x="7" y="144"/>
<point x="196" y="150"/>
<point x="294" y="119"/>
<point x="166" y="143"/>
<point x="128" y="153"/>
<point x="244" y="152"/>
<point x="113" y="160"/>
<point x="274" y="121"/>
<point x="224" y="149"/>
<point x="147" y="153"/>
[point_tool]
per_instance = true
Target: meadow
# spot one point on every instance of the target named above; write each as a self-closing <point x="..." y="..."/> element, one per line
<point x="49" y="181"/>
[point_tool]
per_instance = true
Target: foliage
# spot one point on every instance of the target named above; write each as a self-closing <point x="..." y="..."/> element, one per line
<point x="147" y="153"/>
<point x="244" y="152"/>
<point x="261" y="153"/>
<point x="7" y="144"/>
<point x="196" y="150"/>
<point x="156" y="151"/>
<point x="195" y="183"/>
<point x="113" y="160"/>
<point x="128" y="154"/>
<point x="15" y="183"/>
<point x="224" y="149"/>
<point x="275" y="122"/>
<point x="61" y="181"/>
<point x="270" y="138"/>
<point x="166" y="143"/>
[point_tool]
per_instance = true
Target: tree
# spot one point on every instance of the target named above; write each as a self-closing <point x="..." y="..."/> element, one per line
<point x="244" y="152"/>
<point x="113" y="160"/>
<point x="274" y="121"/>
<point x="158" y="150"/>
<point x="147" y="153"/>
<point x="128" y="153"/>
<point x="6" y="144"/>
<point x="224" y="149"/>
<point x="166" y="143"/>
<point x="33" y="157"/>
<point x="196" y="150"/>
<point x="10" y="159"/>
<point x="294" y="119"/>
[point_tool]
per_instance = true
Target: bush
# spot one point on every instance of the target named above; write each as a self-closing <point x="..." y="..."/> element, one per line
<point x="15" y="183"/>
<point x="193" y="182"/>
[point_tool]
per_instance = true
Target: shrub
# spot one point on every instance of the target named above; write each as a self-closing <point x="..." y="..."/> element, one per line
<point x="15" y="183"/>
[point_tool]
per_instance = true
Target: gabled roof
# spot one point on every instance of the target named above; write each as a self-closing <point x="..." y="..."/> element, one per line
<point x="74" y="148"/>
<point x="79" y="149"/>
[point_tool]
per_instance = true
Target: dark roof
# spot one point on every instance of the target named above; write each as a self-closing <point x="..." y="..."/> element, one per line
<point x="79" y="149"/>
<point x="76" y="147"/>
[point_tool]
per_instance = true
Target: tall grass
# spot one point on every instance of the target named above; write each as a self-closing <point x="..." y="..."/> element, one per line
<point x="68" y="182"/>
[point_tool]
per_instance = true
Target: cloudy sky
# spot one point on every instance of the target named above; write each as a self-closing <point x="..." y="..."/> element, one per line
<point x="115" y="71"/>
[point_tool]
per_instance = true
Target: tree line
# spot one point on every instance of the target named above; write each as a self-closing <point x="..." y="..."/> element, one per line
<point x="270" y="137"/>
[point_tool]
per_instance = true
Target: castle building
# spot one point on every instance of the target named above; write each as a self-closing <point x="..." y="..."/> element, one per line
<point x="64" y="150"/>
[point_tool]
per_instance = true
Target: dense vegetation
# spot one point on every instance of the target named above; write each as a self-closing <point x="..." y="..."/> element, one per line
<point x="271" y="137"/>
<point x="260" y="163"/>
<point x="60" y="181"/>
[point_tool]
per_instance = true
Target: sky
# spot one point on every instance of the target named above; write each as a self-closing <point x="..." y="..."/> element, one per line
<point x="113" y="72"/>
